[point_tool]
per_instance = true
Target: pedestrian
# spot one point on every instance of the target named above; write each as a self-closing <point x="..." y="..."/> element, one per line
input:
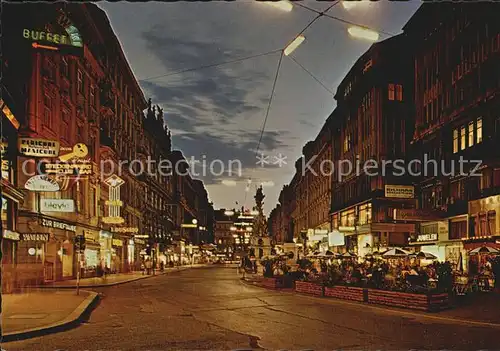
<point x="143" y="268"/>
<point x="162" y="266"/>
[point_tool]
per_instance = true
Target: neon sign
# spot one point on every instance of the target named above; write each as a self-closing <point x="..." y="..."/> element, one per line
<point x="68" y="36"/>
<point x="114" y="203"/>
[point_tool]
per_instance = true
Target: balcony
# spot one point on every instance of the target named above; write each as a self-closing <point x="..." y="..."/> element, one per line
<point x="458" y="207"/>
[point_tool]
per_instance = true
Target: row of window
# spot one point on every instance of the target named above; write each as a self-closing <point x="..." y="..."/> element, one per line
<point x="468" y="135"/>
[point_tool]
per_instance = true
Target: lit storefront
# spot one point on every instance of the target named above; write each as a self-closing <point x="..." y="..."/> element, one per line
<point x="91" y="253"/>
<point x="105" y="241"/>
<point x="117" y="255"/>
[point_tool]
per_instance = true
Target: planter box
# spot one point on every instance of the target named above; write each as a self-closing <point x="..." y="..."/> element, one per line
<point x="309" y="288"/>
<point x="273" y="283"/>
<point x="423" y="302"/>
<point x="346" y="293"/>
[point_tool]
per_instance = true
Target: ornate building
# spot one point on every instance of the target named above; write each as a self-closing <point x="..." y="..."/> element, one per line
<point x="84" y="108"/>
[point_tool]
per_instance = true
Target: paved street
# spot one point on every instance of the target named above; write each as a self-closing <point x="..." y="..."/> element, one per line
<point x="209" y="308"/>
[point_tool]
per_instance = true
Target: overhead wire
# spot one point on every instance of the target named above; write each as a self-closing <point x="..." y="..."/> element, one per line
<point x="212" y="65"/>
<point x="312" y="75"/>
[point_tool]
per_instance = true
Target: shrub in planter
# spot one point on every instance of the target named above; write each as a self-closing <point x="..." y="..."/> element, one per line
<point x="445" y="277"/>
<point x="495" y="266"/>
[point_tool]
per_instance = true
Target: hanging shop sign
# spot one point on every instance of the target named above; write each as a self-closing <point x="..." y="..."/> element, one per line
<point x="35" y="237"/>
<point x="114" y="203"/>
<point x="125" y="230"/>
<point x="5" y="162"/>
<point x="400" y="191"/>
<point x="41" y="183"/>
<point x="8" y="234"/>
<point x="57" y="205"/>
<point x="38" y="147"/>
<point x="59" y="225"/>
<point x="63" y="37"/>
<point x="117" y="242"/>
<point x="73" y="163"/>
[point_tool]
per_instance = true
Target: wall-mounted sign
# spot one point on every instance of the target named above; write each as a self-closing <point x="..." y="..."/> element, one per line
<point x="346" y="229"/>
<point x="427" y="237"/>
<point x="59" y="225"/>
<point x="8" y="234"/>
<point x="41" y="183"/>
<point x="336" y="238"/>
<point x="400" y="191"/>
<point x="73" y="162"/>
<point x="117" y="242"/>
<point x="57" y="205"/>
<point x="125" y="230"/>
<point x="409" y="214"/>
<point x="35" y="237"/>
<point x="90" y="236"/>
<point x="113" y="220"/>
<point x="114" y="203"/>
<point x="144" y="236"/>
<point x="139" y="241"/>
<point x="187" y="225"/>
<point x="38" y="147"/>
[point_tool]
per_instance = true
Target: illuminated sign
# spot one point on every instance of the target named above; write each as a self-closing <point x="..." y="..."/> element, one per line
<point x="8" y="234"/>
<point x="188" y="225"/>
<point x="5" y="161"/>
<point x="64" y="37"/>
<point x="78" y="166"/>
<point x="145" y="236"/>
<point x="41" y="183"/>
<point x="8" y="113"/>
<point x="114" y="204"/>
<point x="113" y="220"/>
<point x="400" y="191"/>
<point x="125" y="230"/>
<point x="139" y="241"/>
<point x="346" y="229"/>
<point x="57" y="205"/>
<point x="117" y="242"/>
<point x="336" y="238"/>
<point x="35" y="237"/>
<point x="89" y="236"/>
<point x="38" y="147"/>
<point x="59" y="225"/>
<point x="427" y="237"/>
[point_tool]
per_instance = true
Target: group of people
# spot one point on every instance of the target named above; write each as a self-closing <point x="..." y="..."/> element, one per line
<point x="377" y="273"/>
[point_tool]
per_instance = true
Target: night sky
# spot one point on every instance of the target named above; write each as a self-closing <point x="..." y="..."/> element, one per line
<point x="218" y="112"/>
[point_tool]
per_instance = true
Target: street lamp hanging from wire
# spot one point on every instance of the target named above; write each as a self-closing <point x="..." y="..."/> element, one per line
<point x="363" y="33"/>
<point x="294" y="45"/>
<point x="283" y="5"/>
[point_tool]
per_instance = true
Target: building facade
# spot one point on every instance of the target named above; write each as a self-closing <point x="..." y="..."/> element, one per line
<point x="374" y="108"/>
<point x="457" y="82"/>
<point x="78" y="148"/>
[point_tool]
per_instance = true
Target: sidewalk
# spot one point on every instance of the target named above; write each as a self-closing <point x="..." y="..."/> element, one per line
<point x="40" y="312"/>
<point x="113" y="279"/>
